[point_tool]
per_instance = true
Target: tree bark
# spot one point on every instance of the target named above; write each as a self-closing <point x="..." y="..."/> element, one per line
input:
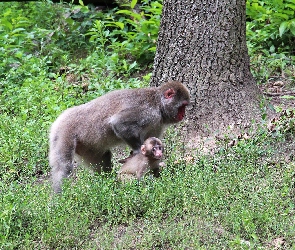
<point x="203" y="45"/>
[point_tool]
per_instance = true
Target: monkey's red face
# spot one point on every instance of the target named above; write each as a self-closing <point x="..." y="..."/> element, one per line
<point x="175" y="101"/>
<point x="181" y="111"/>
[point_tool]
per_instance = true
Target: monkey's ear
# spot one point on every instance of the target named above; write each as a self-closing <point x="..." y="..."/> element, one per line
<point x="143" y="151"/>
<point x="169" y="93"/>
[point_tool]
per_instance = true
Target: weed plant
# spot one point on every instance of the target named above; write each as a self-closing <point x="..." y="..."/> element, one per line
<point x="271" y="25"/>
<point x="239" y="198"/>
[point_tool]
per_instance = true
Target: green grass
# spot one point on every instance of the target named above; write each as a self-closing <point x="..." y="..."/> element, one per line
<point x="242" y="197"/>
<point x="237" y="199"/>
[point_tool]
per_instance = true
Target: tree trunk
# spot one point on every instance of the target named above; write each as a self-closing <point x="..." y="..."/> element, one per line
<point x="203" y="44"/>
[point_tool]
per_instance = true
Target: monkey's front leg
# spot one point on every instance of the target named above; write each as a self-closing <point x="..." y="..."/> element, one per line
<point x="128" y="129"/>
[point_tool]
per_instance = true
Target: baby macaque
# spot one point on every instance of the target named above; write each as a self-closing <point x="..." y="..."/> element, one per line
<point x="147" y="160"/>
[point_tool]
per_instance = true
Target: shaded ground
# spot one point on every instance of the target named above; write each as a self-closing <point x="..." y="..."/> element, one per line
<point x="280" y="92"/>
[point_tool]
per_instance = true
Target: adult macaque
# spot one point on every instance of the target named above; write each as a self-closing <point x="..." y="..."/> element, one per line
<point x="90" y="130"/>
<point x="148" y="160"/>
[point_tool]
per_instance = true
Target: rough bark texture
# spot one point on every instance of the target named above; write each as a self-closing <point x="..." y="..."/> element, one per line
<point x="203" y="44"/>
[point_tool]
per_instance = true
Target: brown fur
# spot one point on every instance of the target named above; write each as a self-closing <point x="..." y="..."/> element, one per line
<point x="92" y="129"/>
<point x="146" y="161"/>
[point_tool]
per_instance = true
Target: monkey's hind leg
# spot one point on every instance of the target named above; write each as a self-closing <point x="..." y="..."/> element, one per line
<point x="99" y="161"/>
<point x="61" y="161"/>
<point x="107" y="161"/>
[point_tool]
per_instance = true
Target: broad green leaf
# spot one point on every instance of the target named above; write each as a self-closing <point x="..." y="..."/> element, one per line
<point x="291" y="6"/>
<point x="156" y="4"/>
<point x="92" y="38"/>
<point x="120" y="25"/>
<point x="281" y="15"/>
<point x="131" y="66"/>
<point x="272" y="49"/>
<point x="292" y="27"/>
<point x="7" y="13"/>
<point x="69" y="21"/>
<point x="255" y="5"/>
<point x="130" y="13"/>
<point x="133" y="3"/>
<point x="289" y="12"/>
<point x="15" y="31"/>
<point x="7" y="24"/>
<point x="115" y="24"/>
<point x="81" y="2"/>
<point x="283" y="27"/>
<point x="84" y="9"/>
<point x="153" y="49"/>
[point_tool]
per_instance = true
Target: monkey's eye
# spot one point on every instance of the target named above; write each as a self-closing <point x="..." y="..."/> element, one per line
<point x="157" y="148"/>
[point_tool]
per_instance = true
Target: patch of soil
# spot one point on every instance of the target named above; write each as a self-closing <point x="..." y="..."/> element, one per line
<point x="280" y="92"/>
